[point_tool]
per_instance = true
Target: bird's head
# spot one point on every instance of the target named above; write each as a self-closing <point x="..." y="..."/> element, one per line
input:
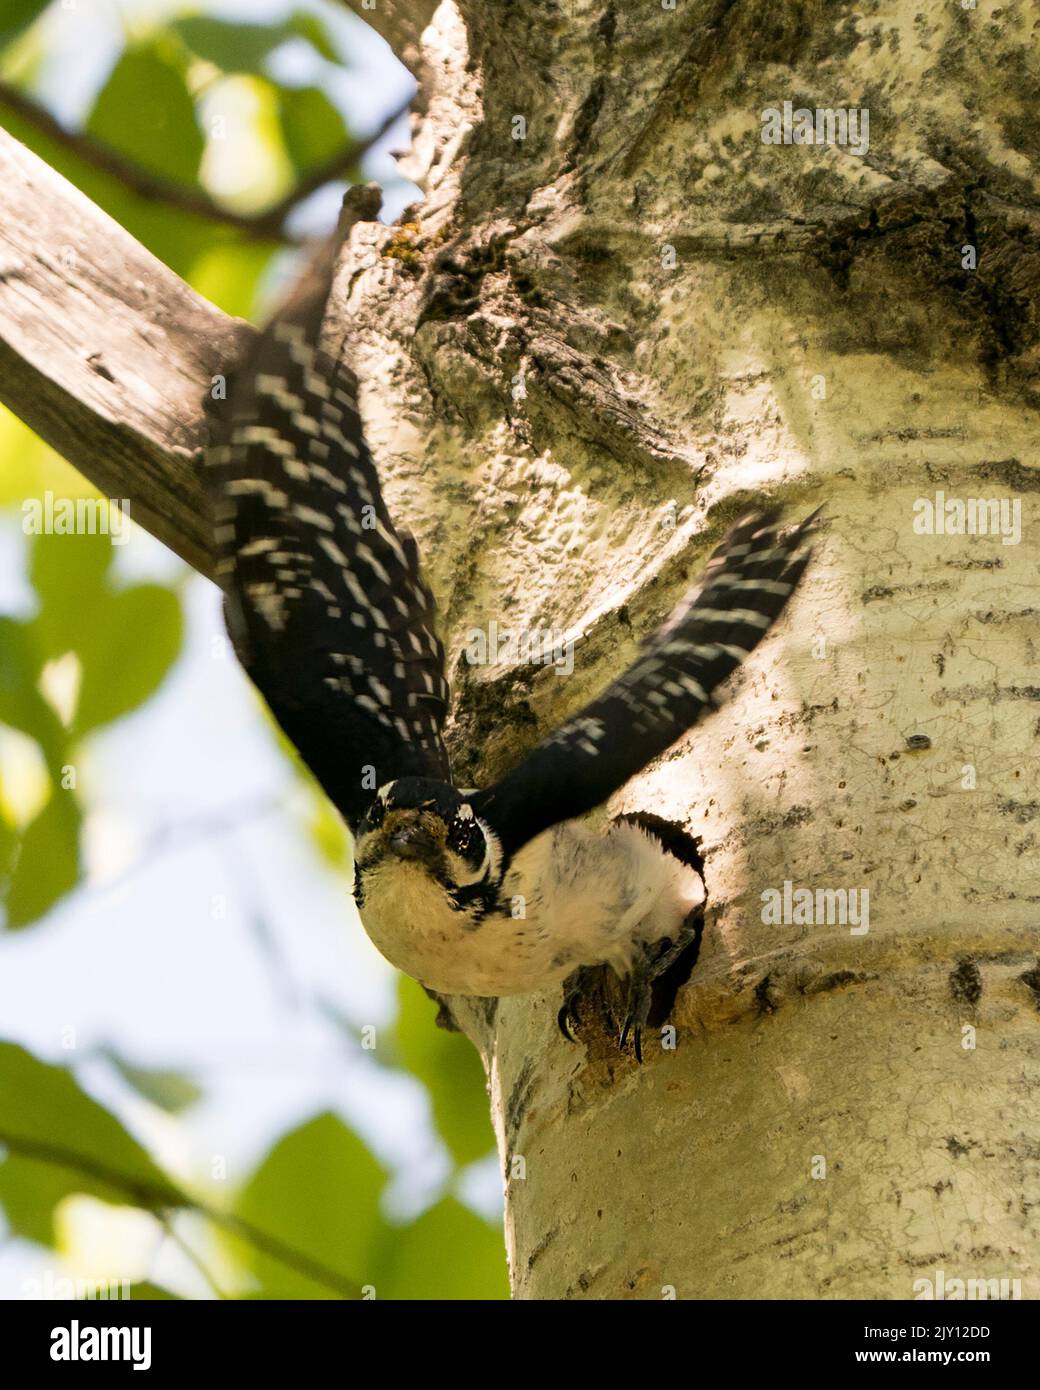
<point x="432" y="825"/>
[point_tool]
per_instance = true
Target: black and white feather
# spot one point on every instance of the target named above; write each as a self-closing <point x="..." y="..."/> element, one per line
<point x="745" y="586"/>
<point x="325" y="601"/>
<point x="489" y="892"/>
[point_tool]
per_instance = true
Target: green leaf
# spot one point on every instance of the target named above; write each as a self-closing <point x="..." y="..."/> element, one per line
<point x="172" y="1091"/>
<point x="449" y="1254"/>
<point x="22" y="707"/>
<point x="229" y="275"/>
<point x="29" y="1193"/>
<point x="149" y="1291"/>
<point x="43" y="1106"/>
<point x="60" y="560"/>
<point x="18" y="15"/>
<point x="47" y="864"/>
<point x="126" y="642"/>
<point x="448" y="1066"/>
<point x="146" y="112"/>
<point x="312" y="128"/>
<point x="8" y="845"/>
<point x="235" y="47"/>
<point x="69" y="574"/>
<point x="126" y="639"/>
<point x="318" y="1191"/>
<point x="310" y="27"/>
<point x="230" y="46"/>
<point x="59" y="1141"/>
<point x="126" y="651"/>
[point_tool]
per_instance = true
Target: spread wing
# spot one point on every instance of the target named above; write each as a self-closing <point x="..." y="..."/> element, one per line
<point x="324" y="599"/>
<point x="746" y="584"/>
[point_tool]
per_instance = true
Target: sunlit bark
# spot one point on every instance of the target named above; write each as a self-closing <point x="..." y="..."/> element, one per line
<point x="619" y="315"/>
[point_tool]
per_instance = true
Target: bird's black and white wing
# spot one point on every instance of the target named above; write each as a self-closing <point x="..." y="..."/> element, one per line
<point x="746" y="584"/>
<point x="324" y="599"/>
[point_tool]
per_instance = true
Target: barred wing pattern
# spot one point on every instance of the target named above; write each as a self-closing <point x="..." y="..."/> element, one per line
<point x="746" y="585"/>
<point x="324" y="599"/>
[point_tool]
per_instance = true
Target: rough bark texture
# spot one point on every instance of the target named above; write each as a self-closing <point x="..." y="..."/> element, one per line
<point x="583" y="353"/>
<point x="657" y="398"/>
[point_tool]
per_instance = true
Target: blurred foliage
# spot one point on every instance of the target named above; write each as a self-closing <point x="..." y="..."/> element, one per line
<point x="164" y="136"/>
<point x="337" y="1223"/>
<point x="307" y="1224"/>
<point x="234" y="47"/>
<point x="171" y="1091"/>
<point x="60" y="1141"/>
<point x="17" y="15"/>
<point x="199" y="101"/>
<point x="450" y="1070"/>
<point x="191" y="92"/>
<point x="117" y="644"/>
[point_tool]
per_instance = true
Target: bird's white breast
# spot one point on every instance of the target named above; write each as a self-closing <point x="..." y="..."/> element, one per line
<point x="569" y="898"/>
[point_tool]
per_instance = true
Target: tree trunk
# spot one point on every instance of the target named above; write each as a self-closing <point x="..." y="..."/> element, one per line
<point x="617" y="317"/>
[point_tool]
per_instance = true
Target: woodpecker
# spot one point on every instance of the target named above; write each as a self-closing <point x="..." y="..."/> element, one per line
<point x="493" y="891"/>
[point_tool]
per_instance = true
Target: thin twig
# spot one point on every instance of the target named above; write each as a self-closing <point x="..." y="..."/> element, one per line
<point x="260" y="225"/>
<point x="334" y="167"/>
<point x="161" y="1199"/>
<point x="174" y="836"/>
<point x="192" y="1255"/>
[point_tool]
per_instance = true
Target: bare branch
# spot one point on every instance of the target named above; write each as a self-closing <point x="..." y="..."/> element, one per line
<point x="105" y="352"/>
<point x="337" y="166"/>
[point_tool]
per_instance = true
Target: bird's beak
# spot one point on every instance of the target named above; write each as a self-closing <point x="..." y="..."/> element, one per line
<point x="413" y="843"/>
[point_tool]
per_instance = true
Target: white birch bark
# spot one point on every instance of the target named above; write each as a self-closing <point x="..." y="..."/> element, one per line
<point x="586" y="351"/>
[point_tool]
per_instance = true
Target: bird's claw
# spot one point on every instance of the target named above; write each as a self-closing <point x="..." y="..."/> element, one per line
<point x="588" y="982"/>
<point x="640" y="997"/>
<point x="574" y="987"/>
<point x="636" y="1029"/>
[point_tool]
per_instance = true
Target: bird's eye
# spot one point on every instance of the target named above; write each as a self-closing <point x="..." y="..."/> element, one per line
<point x="375" y="814"/>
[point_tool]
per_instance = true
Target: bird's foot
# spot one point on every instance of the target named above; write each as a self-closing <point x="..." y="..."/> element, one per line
<point x="582" y="983"/>
<point x="643" y="995"/>
<point x="655" y="961"/>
